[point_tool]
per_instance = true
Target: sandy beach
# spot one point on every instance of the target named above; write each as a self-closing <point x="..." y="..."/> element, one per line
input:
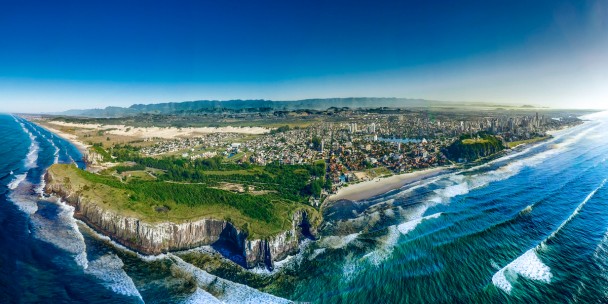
<point x="377" y="186"/>
<point x="82" y="147"/>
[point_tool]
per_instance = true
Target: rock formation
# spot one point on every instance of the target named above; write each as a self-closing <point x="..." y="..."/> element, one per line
<point x="156" y="238"/>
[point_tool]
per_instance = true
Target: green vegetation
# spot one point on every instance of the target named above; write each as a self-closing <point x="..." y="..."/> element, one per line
<point x="280" y="129"/>
<point x="122" y="168"/>
<point x="514" y="144"/>
<point x="470" y="148"/>
<point x="470" y="141"/>
<point x="155" y="201"/>
<point x="98" y="148"/>
<point x="292" y="182"/>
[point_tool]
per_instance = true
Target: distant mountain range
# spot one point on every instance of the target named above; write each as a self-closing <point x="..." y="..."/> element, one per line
<point x="210" y="105"/>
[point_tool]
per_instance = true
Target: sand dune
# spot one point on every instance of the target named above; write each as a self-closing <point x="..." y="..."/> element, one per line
<point x="169" y="132"/>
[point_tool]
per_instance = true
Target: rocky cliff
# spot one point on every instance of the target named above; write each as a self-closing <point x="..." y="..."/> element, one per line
<point x="155" y="238"/>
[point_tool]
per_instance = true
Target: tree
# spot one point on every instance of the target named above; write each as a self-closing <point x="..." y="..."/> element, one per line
<point x="316" y="142"/>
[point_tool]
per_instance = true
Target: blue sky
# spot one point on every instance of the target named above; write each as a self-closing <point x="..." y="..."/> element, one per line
<point x="58" y="55"/>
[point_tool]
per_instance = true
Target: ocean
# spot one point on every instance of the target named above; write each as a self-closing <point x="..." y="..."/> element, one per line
<point x="531" y="226"/>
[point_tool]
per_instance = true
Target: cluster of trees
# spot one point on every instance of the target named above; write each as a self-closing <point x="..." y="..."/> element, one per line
<point x="121" y="169"/>
<point x="280" y="129"/>
<point x="98" y="148"/>
<point x="293" y="182"/>
<point x="256" y="207"/>
<point x="470" y="148"/>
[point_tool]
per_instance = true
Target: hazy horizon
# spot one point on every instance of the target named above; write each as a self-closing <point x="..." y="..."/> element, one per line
<point x="444" y="103"/>
<point x="74" y="55"/>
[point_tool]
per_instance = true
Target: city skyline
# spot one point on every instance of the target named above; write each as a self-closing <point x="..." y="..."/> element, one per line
<point x="71" y="55"/>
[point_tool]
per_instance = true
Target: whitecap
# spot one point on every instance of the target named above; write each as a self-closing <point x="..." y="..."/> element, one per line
<point x="377" y="256"/>
<point x="350" y="268"/>
<point x="316" y="253"/>
<point x="409" y="226"/>
<point x="527" y="265"/>
<point x="17" y="181"/>
<point x="62" y="232"/>
<point x="21" y="194"/>
<point x="336" y="241"/>
<point x="224" y="290"/>
<point x="32" y="155"/>
<point x="576" y="211"/>
<point x="201" y="296"/>
<point x="109" y="269"/>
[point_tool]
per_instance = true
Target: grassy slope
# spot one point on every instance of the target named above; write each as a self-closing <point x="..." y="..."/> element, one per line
<point x="262" y="215"/>
<point x="471" y="141"/>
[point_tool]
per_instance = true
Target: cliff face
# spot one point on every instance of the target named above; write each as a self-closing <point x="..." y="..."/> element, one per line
<point x="155" y="238"/>
<point x="92" y="158"/>
<point x="469" y="148"/>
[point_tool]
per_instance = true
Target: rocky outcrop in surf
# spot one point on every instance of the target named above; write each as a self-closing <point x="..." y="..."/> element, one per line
<point x="156" y="238"/>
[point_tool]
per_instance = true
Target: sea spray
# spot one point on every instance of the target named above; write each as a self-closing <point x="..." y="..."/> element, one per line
<point x="109" y="269"/>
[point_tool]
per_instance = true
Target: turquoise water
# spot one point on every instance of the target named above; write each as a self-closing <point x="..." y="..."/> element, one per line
<point x="529" y="227"/>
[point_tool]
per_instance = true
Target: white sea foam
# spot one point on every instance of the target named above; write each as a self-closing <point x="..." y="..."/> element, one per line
<point x="576" y="211"/>
<point x="56" y="153"/>
<point x="201" y="296"/>
<point x="17" y="181"/>
<point x="40" y="188"/>
<point x="384" y="250"/>
<point x="459" y="184"/>
<point x="406" y="227"/>
<point x="316" y="253"/>
<point x="23" y="200"/>
<point x="225" y="291"/>
<point x="388" y="242"/>
<point x="350" y="268"/>
<point x="32" y="155"/>
<point x="558" y="135"/>
<point x="21" y="194"/>
<point x="62" y="232"/>
<point x="109" y="269"/>
<point x="527" y="265"/>
<point x="336" y="241"/>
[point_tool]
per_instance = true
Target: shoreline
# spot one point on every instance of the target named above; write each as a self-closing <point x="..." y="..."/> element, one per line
<point x="380" y="185"/>
<point x="71" y="138"/>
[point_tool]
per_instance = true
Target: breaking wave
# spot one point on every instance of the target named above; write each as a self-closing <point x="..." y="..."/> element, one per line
<point x="32" y="154"/>
<point x="576" y="211"/>
<point x="109" y="269"/>
<point x="459" y="184"/>
<point x="336" y="241"/>
<point x="529" y="264"/>
<point x="17" y="181"/>
<point x="224" y="290"/>
<point x="62" y="232"/>
<point x="382" y="252"/>
<point x="406" y="227"/>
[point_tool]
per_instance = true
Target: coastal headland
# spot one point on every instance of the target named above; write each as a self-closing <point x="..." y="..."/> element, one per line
<point x="257" y="189"/>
